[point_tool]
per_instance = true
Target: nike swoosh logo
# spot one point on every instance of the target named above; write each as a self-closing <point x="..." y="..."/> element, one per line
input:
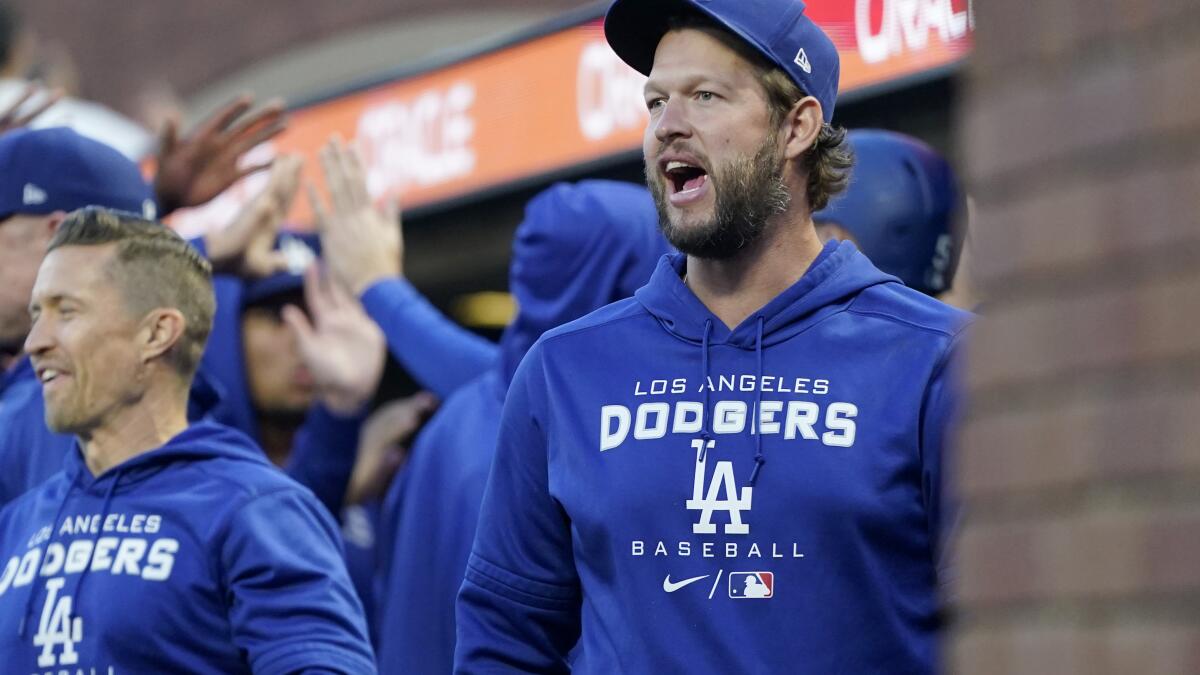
<point x="672" y="586"/>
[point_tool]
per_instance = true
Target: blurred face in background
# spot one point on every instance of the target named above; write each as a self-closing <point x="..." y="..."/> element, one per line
<point x="23" y="242"/>
<point x="280" y="384"/>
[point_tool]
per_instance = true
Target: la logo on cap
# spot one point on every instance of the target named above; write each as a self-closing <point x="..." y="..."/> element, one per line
<point x="802" y="61"/>
<point x="33" y="195"/>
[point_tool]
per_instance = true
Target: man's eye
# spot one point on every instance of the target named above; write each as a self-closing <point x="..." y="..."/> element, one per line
<point x="655" y="103"/>
<point x="705" y="95"/>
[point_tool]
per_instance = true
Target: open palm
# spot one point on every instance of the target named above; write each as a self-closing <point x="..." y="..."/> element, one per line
<point x="341" y="346"/>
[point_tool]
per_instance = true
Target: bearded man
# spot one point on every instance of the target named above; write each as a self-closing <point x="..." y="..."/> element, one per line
<point x="740" y="469"/>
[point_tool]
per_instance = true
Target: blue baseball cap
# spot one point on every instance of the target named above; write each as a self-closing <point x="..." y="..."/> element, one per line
<point x="777" y="29"/>
<point x="301" y="250"/>
<point x="902" y="206"/>
<point x="57" y="169"/>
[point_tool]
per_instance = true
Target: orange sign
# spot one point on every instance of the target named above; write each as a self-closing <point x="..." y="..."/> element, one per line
<point x="556" y="101"/>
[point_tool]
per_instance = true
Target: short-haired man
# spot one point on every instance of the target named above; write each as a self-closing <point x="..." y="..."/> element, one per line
<point x="47" y="173"/>
<point x="161" y="546"/>
<point x="766" y="406"/>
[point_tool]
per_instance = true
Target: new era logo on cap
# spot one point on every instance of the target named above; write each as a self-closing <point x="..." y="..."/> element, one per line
<point x="32" y="195"/>
<point x="802" y="61"/>
<point x="298" y="254"/>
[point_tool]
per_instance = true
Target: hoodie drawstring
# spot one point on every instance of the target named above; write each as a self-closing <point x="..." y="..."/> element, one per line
<point x="756" y="424"/>
<point x="704" y="384"/>
<point x="108" y="495"/>
<point x="22" y="628"/>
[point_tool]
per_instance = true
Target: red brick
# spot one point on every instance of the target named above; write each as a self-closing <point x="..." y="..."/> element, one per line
<point x="1116" y="438"/>
<point x="1114" y="649"/>
<point x="1015" y="132"/>
<point x="1053" y="338"/>
<point x="1097" y="555"/>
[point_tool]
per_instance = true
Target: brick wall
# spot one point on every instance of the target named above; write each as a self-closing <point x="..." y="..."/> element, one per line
<point x="1080" y="459"/>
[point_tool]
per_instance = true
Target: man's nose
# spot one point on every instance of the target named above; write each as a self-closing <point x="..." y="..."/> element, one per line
<point x="672" y="122"/>
<point x="40" y="337"/>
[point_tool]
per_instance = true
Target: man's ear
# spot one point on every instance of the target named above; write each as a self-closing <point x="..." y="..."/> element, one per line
<point x="52" y="221"/>
<point x="802" y="126"/>
<point x="160" y="331"/>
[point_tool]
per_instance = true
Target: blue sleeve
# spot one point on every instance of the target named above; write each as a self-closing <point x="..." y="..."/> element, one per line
<point x="439" y="354"/>
<point x="939" y="419"/>
<point x="323" y="455"/>
<point x="518" y="609"/>
<point x="291" y="606"/>
<point x="29" y="452"/>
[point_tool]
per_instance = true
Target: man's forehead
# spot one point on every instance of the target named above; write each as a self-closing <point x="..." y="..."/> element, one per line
<point x="697" y="53"/>
<point x="74" y="271"/>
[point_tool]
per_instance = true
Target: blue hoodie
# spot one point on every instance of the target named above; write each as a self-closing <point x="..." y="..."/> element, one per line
<point x="195" y="557"/>
<point x="579" y="248"/>
<point x="30" y="453"/>
<point x="632" y="508"/>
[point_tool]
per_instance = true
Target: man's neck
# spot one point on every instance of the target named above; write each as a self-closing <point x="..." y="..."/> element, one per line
<point x="734" y="288"/>
<point x="133" y="431"/>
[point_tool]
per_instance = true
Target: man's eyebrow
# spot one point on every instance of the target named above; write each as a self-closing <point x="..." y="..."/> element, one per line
<point x="55" y="299"/>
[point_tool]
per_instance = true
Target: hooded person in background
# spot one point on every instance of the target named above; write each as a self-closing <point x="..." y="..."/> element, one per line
<point x="228" y="565"/>
<point x="298" y="363"/>
<point x="902" y="208"/>
<point x="580" y="247"/>
<point x="766" y="406"/>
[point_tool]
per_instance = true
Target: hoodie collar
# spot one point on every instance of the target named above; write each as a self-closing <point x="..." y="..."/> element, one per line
<point x="202" y="440"/>
<point x="839" y="273"/>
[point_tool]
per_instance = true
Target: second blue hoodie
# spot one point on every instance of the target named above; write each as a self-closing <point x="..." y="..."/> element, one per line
<point x="672" y="495"/>
<point x="195" y="557"/>
<point x="579" y="248"/>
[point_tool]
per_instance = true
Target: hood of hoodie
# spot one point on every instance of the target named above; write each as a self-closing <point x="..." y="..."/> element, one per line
<point x="224" y="361"/>
<point x="581" y="246"/>
<point x="839" y="273"/>
<point x="200" y="441"/>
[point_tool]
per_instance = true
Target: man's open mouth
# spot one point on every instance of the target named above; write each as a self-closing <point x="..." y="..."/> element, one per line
<point x="685" y="177"/>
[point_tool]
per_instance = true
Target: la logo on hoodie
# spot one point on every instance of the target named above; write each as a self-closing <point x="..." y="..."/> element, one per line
<point x="672" y="495"/>
<point x="198" y="557"/>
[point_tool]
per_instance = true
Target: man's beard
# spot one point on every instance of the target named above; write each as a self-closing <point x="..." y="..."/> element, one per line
<point x="749" y="191"/>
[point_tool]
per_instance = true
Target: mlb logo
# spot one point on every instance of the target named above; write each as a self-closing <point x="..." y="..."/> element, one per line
<point x="744" y="585"/>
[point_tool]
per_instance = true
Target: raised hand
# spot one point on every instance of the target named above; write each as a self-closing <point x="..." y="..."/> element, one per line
<point x="360" y="243"/>
<point x="342" y="347"/>
<point x="194" y="169"/>
<point x="383" y="445"/>
<point x="246" y="246"/>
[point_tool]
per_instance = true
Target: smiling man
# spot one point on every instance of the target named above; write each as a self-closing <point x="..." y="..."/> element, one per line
<point x="740" y="469"/>
<point x="161" y="546"/>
